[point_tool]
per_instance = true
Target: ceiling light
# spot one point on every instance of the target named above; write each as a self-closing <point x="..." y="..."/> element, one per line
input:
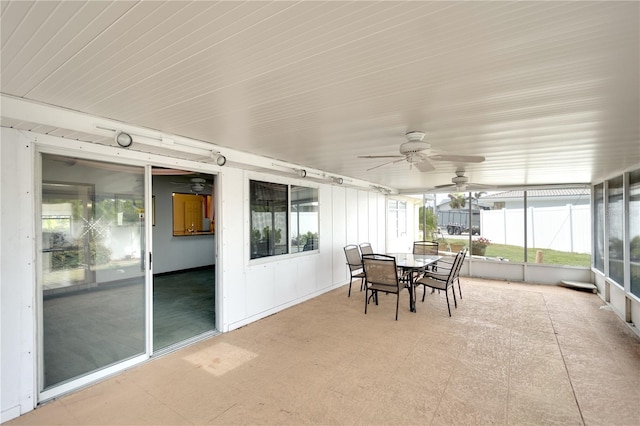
<point x="336" y="179"/>
<point x="381" y="189"/>
<point x="220" y="159"/>
<point x="123" y="139"/>
<point x="301" y="172"/>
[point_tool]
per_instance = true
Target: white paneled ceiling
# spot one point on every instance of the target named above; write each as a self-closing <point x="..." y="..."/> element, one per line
<point x="547" y="92"/>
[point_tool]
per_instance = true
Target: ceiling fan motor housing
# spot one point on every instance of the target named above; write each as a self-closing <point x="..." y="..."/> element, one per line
<point x="414" y="144"/>
<point x="197" y="184"/>
<point x="460" y="180"/>
<point x="410" y="148"/>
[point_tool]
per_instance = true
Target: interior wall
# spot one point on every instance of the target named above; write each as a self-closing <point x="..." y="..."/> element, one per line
<point x="176" y="253"/>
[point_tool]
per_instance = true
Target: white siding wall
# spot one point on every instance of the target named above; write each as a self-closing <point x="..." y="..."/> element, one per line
<point x="339" y="237"/>
<point x="17" y="280"/>
<point x="247" y="290"/>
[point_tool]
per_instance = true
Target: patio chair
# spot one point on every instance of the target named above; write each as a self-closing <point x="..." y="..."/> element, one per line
<point x="426" y="247"/>
<point x="444" y="282"/>
<point x="381" y="276"/>
<point x="365" y="248"/>
<point x="447" y="265"/>
<point x="354" y="262"/>
<point x="437" y="235"/>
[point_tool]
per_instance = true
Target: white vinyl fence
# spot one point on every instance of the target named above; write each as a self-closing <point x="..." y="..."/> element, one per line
<point x="564" y="228"/>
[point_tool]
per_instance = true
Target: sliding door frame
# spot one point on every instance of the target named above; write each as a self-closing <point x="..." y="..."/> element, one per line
<point x="46" y="144"/>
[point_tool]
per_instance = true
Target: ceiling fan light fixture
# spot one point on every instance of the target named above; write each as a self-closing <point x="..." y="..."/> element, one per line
<point x="123" y="139"/>
<point x="198" y="184"/>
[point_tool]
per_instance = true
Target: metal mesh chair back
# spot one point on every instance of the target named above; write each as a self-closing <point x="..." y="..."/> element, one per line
<point x="381" y="275"/>
<point x="352" y="252"/>
<point x="442" y="281"/>
<point x="380" y="270"/>
<point x="353" y="257"/>
<point x="365" y="248"/>
<point x="425" y="247"/>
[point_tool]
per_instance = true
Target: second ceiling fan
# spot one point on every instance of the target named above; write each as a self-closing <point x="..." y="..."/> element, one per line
<point x="461" y="183"/>
<point x="416" y="152"/>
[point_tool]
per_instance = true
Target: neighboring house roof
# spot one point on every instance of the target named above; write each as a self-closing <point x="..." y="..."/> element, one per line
<point x="561" y="192"/>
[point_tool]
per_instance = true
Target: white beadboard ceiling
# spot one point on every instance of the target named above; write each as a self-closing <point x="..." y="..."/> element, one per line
<point x="547" y="92"/>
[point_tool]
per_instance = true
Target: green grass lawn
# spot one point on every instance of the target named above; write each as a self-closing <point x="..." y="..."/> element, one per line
<point x="516" y="254"/>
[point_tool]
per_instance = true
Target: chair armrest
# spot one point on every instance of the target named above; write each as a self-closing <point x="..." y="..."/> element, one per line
<point x="444" y="276"/>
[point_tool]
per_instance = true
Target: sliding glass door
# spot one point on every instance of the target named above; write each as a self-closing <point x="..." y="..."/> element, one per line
<point x="92" y="267"/>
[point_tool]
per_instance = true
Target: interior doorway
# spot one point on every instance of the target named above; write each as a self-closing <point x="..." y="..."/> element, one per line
<point x="184" y="253"/>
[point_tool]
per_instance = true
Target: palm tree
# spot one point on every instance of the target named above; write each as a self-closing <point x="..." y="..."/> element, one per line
<point x="477" y="195"/>
<point x="457" y="201"/>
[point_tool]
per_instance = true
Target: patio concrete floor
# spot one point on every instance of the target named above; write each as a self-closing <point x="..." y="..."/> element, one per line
<point x="512" y="353"/>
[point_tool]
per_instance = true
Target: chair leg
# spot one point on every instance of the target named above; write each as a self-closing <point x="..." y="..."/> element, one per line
<point x="366" y="299"/>
<point x="350" y="282"/>
<point x="448" y="307"/>
<point x="424" y="292"/>
<point x="453" y="291"/>
<point x="459" y="289"/>
<point x="397" y="303"/>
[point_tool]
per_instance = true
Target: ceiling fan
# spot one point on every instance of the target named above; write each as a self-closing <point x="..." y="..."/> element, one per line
<point x="460" y="183"/>
<point x="196" y="185"/>
<point x="415" y="152"/>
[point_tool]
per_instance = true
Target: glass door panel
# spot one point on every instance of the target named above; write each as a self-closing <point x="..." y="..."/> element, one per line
<point x="93" y="272"/>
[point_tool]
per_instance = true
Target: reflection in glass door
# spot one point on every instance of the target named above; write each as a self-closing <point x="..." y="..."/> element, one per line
<point x="92" y="267"/>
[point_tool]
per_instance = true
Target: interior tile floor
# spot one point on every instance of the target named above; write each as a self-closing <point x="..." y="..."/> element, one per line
<point x="512" y="353"/>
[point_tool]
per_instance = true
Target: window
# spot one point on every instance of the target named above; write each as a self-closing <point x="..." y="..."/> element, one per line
<point x="192" y="214"/>
<point x="556" y="222"/>
<point x="272" y="216"/>
<point x="304" y="219"/>
<point x="634" y="230"/>
<point x="501" y="227"/>
<point x="615" y="208"/>
<point x="598" y="227"/>
<point x="397" y="218"/>
<point x="269" y="216"/>
<point x="558" y="226"/>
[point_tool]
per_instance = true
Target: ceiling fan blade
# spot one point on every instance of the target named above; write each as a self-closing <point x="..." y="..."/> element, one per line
<point x="388" y="162"/>
<point x="424" y="166"/>
<point x="380" y="156"/>
<point x="457" y="158"/>
<point x="449" y="185"/>
<point x="473" y="186"/>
